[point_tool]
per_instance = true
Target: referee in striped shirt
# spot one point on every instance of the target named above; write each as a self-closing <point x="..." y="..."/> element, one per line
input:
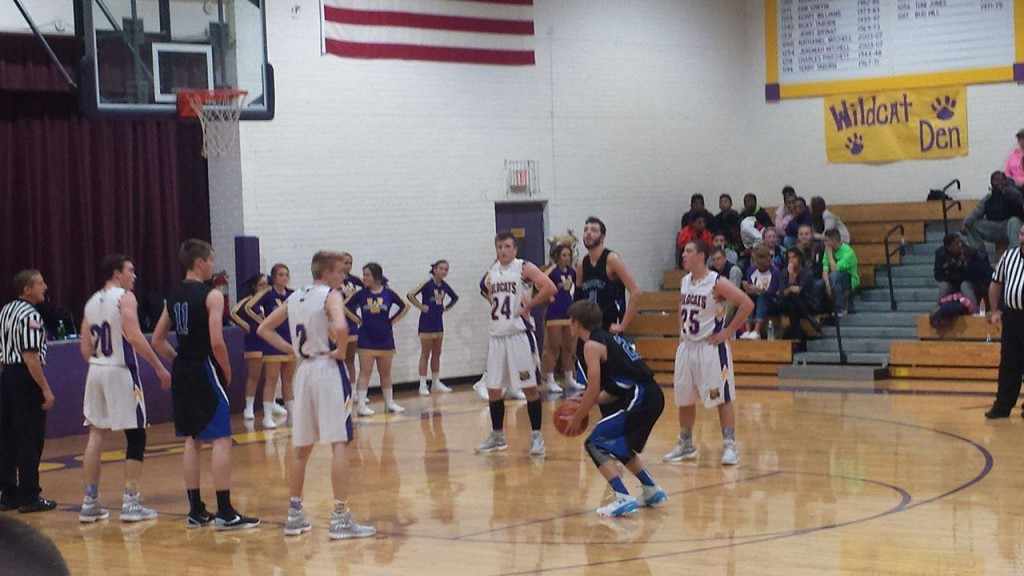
<point x="1006" y="296"/>
<point x="25" y="396"/>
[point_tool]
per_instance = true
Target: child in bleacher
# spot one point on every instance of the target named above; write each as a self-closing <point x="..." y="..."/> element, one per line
<point x="761" y="283"/>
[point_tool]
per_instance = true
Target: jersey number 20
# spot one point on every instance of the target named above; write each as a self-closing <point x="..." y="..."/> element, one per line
<point x="102" y="340"/>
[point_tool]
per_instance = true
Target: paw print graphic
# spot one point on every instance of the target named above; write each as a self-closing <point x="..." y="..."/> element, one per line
<point x="855" y="143"/>
<point x="944" y="108"/>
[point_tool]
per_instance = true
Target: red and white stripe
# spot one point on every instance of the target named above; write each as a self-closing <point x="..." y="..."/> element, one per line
<point x="463" y="31"/>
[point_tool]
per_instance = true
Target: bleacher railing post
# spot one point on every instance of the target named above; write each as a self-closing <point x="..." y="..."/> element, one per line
<point x="888" y="260"/>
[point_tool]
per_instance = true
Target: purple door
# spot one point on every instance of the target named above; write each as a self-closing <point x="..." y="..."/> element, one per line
<point x="526" y="222"/>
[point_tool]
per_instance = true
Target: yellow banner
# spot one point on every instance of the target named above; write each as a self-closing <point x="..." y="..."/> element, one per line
<point x="875" y="127"/>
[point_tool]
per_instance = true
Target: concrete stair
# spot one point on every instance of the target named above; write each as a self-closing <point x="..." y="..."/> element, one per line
<point x="868" y="332"/>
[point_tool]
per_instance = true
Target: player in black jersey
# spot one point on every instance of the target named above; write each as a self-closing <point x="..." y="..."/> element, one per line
<point x="199" y="372"/>
<point x="622" y="385"/>
<point x="602" y="276"/>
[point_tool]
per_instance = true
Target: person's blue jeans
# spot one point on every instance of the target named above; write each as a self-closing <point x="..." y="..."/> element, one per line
<point x="760" y="307"/>
<point x="842" y="287"/>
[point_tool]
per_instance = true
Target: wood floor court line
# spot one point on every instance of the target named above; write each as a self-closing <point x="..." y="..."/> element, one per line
<point x="828" y="482"/>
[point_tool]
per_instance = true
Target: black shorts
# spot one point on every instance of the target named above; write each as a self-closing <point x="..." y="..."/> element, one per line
<point x="200" y="404"/>
<point x="624" y="432"/>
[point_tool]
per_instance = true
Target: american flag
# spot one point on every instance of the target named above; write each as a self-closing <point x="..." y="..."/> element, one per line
<point x="463" y="31"/>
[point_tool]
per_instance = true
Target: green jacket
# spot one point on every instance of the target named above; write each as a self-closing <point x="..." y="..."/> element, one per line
<point x="846" y="261"/>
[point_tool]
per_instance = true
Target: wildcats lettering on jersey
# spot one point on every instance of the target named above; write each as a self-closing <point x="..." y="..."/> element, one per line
<point x="507" y="296"/>
<point x="701" y="315"/>
<point x="501" y="287"/>
<point x="699" y="300"/>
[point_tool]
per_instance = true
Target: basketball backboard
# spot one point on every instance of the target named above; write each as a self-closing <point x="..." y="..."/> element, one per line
<point x="140" y="53"/>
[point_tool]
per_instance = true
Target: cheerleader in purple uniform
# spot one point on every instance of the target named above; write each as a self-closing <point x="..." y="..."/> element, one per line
<point x="276" y="364"/>
<point x="370" y="308"/>
<point x="558" y="338"/>
<point x="350" y="286"/>
<point x="253" y="344"/>
<point x="429" y="298"/>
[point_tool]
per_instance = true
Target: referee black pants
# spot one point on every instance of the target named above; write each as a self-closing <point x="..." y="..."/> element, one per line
<point x="1011" y="361"/>
<point x="22" y="429"/>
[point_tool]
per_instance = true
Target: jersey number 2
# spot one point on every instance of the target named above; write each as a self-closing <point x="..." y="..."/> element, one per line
<point x="506" y="307"/>
<point x="300" y="331"/>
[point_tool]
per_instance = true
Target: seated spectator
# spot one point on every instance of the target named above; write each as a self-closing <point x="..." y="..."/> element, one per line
<point x="839" y="272"/>
<point x="979" y="271"/>
<point x="800" y="215"/>
<point x="1015" y="161"/>
<point x="796" y="293"/>
<point x="751" y="208"/>
<point x="750" y="235"/>
<point x="949" y="270"/>
<point x="824" y="219"/>
<point x="696" y="207"/>
<point x="997" y="218"/>
<point x="721" y="244"/>
<point x="695" y="231"/>
<point x="784" y="213"/>
<point x="719" y="262"/>
<point x="727" y="221"/>
<point x="771" y="241"/>
<point x="761" y="283"/>
<point x="961" y="269"/>
<point x="813" y="252"/>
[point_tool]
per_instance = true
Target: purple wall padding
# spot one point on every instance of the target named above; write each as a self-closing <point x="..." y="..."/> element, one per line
<point x="65" y="369"/>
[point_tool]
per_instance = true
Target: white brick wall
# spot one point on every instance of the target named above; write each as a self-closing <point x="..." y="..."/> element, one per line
<point x="632" y="107"/>
<point x="401" y="162"/>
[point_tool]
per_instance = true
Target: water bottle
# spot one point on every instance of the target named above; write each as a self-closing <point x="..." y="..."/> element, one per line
<point x="981" y="309"/>
<point x="771" y="330"/>
<point x="62" y="332"/>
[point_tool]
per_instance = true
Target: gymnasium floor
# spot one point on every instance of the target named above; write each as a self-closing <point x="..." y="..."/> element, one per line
<point x="828" y="483"/>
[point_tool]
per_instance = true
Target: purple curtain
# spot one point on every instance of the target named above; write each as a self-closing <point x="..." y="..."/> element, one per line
<point x="73" y="189"/>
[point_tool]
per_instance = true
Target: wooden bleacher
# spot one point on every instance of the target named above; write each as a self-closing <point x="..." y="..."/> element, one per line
<point x="656" y="329"/>
<point x="749" y="357"/>
<point x="874" y="232"/>
<point x="904" y="212"/>
<point x="960" y="352"/>
<point x="944" y="360"/>
<point x="970" y="328"/>
<point x="868" y="225"/>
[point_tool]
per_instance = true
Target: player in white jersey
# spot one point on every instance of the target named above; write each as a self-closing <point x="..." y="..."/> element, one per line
<point x="703" y="366"/>
<point x="323" y="394"/>
<point x="113" y="393"/>
<point x="513" y="349"/>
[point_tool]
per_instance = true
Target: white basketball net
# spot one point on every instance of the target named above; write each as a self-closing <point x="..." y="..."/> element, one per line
<point x="218" y="114"/>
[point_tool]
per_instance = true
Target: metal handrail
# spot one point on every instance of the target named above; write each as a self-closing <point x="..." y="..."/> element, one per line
<point x="948" y="203"/>
<point x="839" y="340"/>
<point x="888" y="259"/>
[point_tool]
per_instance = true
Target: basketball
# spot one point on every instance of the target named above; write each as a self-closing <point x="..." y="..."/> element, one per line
<point x="565" y="411"/>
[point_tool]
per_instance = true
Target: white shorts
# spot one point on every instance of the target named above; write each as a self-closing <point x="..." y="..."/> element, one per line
<point x="322" y="411"/>
<point x="113" y="398"/>
<point x="512" y="359"/>
<point x="703" y="372"/>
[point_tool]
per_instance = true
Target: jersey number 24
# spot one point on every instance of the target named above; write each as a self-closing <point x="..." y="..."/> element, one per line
<point x="506" y="307"/>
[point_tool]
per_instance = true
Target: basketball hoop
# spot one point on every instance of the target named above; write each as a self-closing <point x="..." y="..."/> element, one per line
<point x="218" y="112"/>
